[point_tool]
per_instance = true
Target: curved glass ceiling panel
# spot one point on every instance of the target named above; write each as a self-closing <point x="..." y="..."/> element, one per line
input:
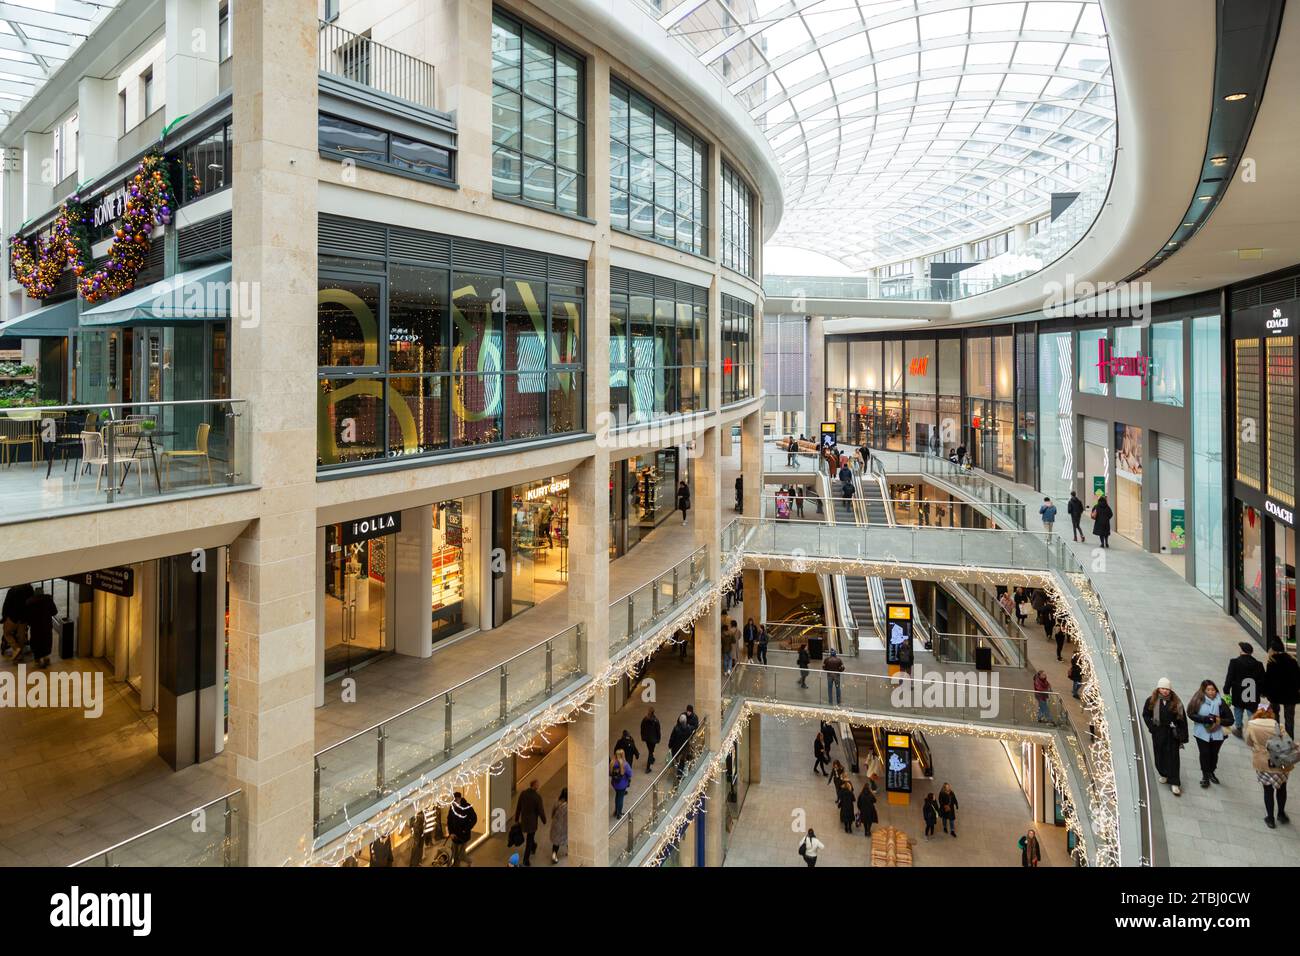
<point x="905" y="127"/>
<point x="36" y="36"/>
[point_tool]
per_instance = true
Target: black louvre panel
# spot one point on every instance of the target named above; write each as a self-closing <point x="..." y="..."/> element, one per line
<point x="477" y="256"/>
<point x="569" y="270"/>
<point x="424" y="247"/>
<point x="665" y="288"/>
<point x="641" y="284"/>
<point x="351" y="238"/>
<point x="618" y="279"/>
<point x="522" y="262"/>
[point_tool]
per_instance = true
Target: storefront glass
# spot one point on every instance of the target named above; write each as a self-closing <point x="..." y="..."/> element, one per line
<point x="865" y="364"/>
<point x="1284" y="583"/>
<point x="539" y="541"/>
<point x="1128" y="482"/>
<point x="1207" y="455"/>
<point x="1128" y="343"/>
<point x="454" y="597"/>
<point x="979" y="367"/>
<point x="658" y="349"/>
<point x="1250" y="553"/>
<point x="1167" y="363"/>
<point x="356" y="599"/>
<point x="1280" y="374"/>
<point x="650" y="487"/>
<point x="836" y="364"/>
<point x="1088" y="356"/>
<point x="1056" y="413"/>
<point x="1003" y="368"/>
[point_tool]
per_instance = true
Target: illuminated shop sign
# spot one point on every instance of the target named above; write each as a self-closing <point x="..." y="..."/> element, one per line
<point x="1111" y="366"/>
<point x="545" y="491"/>
<point x="375" y="526"/>
<point x="1277" y="322"/>
<point x="919" y="365"/>
<point x="1278" y="511"/>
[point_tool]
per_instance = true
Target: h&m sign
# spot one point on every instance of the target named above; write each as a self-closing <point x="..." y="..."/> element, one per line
<point x="374" y="526"/>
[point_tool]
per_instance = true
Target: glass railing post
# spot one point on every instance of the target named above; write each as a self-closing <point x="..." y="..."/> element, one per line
<point x="112" y="469"/>
<point x="631" y="617"/>
<point x="654" y="599"/>
<point x="227" y="849"/>
<point x="446" y="729"/>
<point x="505" y="693"/>
<point x="316" y="789"/>
<point x="381" y="737"/>
<point x="676" y="596"/>
<point x="550" y="667"/>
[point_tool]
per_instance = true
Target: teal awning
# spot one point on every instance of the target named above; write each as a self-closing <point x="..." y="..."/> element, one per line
<point x="198" y="295"/>
<point x="51" y="321"/>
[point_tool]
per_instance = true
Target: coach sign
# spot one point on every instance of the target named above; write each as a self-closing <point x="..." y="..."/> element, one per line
<point x="375" y="526"/>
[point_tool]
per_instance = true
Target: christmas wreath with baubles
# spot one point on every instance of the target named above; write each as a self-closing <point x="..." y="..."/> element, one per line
<point x="38" y="265"/>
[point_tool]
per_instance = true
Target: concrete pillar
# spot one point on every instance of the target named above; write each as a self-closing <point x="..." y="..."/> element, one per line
<point x="413" y="621"/>
<point x="751" y="461"/>
<point x="193" y="56"/>
<point x="708" y="630"/>
<point x="589" y="745"/>
<point x="38" y="174"/>
<point x="97" y="122"/>
<point x="273" y="585"/>
<point x="815" y="400"/>
<point x="755" y="736"/>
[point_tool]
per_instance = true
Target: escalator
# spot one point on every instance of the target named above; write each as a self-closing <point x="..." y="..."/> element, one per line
<point x="860" y="742"/>
<point x="871" y="488"/>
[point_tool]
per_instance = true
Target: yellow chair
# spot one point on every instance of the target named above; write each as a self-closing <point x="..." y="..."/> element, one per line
<point x="200" y="450"/>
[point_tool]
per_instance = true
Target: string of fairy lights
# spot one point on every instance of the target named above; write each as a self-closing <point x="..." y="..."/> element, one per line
<point x="428" y="794"/>
<point x="670" y="830"/>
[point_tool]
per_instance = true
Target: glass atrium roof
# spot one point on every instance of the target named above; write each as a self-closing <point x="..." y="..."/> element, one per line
<point x="906" y="127"/>
<point x="36" y="36"/>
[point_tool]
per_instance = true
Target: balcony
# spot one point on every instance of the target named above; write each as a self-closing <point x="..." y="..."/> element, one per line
<point x="357" y="59"/>
<point x="66" y="459"/>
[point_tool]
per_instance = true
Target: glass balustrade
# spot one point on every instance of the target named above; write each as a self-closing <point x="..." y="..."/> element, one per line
<point x="644" y="816"/>
<point x="205" y="836"/>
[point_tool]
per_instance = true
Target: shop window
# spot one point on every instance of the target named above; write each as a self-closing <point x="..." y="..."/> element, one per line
<point x="658" y="348"/>
<point x="1091" y="344"/>
<point x="365" y="145"/>
<point x="1167" y="363"/>
<point x="1284" y="584"/>
<point x="1249" y="403"/>
<point x="539" y="541"/>
<point x="351" y="420"/>
<point x="1280" y="367"/>
<point x="737" y="350"/>
<point x="737" y="225"/>
<point x="347" y="322"/>
<point x="1250" y="553"/>
<point x="1128" y="344"/>
<point x="1207" y="456"/>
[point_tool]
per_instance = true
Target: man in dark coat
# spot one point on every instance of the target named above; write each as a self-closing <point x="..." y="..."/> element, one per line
<point x="461" y="818"/>
<point x="529" y="811"/>
<point x="867" y="808"/>
<point x="1101" y="515"/>
<point x="1074" y="508"/>
<point x="651" y="734"/>
<point x="41" y="610"/>
<point x="1244" y="684"/>
<point x="677" y="743"/>
<point x="1282" y="683"/>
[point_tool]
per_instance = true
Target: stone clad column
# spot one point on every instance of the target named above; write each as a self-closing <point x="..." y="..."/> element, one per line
<point x="273" y="564"/>
<point x="705" y="506"/>
<point x="193" y="54"/>
<point x="589" y="745"/>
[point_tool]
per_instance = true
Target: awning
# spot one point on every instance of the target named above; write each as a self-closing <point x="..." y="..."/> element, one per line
<point x="199" y="295"/>
<point x="51" y="321"/>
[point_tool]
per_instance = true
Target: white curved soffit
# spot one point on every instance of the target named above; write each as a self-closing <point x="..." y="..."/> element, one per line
<point x="905" y="127"/>
<point x="629" y="33"/>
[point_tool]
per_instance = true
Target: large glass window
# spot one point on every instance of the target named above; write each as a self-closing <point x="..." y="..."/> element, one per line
<point x="1056" y="413"/>
<point x="1207" y="455"/>
<point x="979" y="367"/>
<point x="1250" y="552"/>
<point x="658" y="173"/>
<point x="658" y="350"/>
<point x="1004" y="368"/>
<point x="1093" y="344"/>
<point x="737" y="222"/>
<point x="366" y="145"/>
<point x="737" y="349"/>
<point x="1128" y="343"/>
<point x="1167" y="363"/>
<point x="1249" y="405"/>
<point x="1280" y="369"/>
<point x="471" y="358"/>
<point x="538" y="127"/>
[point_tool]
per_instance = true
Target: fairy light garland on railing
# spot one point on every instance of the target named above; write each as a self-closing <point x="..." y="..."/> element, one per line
<point x="670" y="830"/>
<point x="428" y="794"/>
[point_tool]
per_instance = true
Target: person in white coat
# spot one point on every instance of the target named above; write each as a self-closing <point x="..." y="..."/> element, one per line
<point x="809" y="847"/>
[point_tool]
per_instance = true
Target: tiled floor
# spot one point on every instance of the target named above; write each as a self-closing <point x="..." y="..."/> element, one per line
<point x="992" y="816"/>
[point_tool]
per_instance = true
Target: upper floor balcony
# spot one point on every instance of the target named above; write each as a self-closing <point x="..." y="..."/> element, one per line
<point x="357" y="59"/>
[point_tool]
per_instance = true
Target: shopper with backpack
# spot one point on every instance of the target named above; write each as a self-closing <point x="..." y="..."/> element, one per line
<point x="1273" y="755"/>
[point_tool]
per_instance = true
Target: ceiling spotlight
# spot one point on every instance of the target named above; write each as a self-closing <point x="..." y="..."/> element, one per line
<point x="1219" y="160"/>
<point x="1234" y="97"/>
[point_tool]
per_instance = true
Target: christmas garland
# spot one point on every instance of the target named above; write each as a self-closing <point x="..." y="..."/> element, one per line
<point x="149" y="202"/>
<point x="38" y="265"/>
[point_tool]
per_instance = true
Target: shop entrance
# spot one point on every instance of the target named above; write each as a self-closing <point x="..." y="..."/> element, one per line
<point x="357" y="595"/>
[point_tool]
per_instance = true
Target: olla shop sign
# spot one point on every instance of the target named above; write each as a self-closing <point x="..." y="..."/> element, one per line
<point x="375" y="526"/>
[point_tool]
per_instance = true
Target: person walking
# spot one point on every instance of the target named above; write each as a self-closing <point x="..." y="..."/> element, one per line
<point x="1042" y="687"/>
<point x="1074" y="508"/>
<point x="529" y="811"/>
<point x="1061" y="637"/>
<point x="803" y="661"/>
<point x="1075" y="674"/>
<point x="809" y="847"/>
<point x="651" y="734"/>
<point x="1020" y="597"/>
<point x="948" y="808"/>
<point x="930" y="814"/>
<point x="1047" y="511"/>
<point x="791" y="450"/>
<point x="14" y="615"/>
<point x="761" y="643"/>
<point x="844" y="800"/>
<point x="1282" y="684"/>
<point x="833" y="667"/>
<point x="1166" y="719"/>
<point x="1101" y="515"/>
<point x="1261" y="732"/>
<point x="461" y="819"/>
<point x="798" y="500"/>
<point x="1209" y="714"/>
<point x="751" y="637"/>
<point x="559" y="825"/>
<point x="836" y="777"/>
<point x="865" y="454"/>
<point x="677" y="741"/>
<point x="41" y="610"/>
<point x="740" y="494"/>
<point x="692" y="718"/>
<point x="628" y="746"/>
<point x="1244" y="684"/>
<point x="819" y="755"/>
<point x="867" y="809"/>
<point x="683" y="499"/>
<point x="620" y="778"/>
<point x="1030" y="852"/>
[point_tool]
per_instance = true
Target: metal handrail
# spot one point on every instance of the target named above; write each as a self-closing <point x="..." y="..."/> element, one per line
<point x="187" y="815"/>
<point x="375" y="65"/>
<point x="696" y="735"/>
